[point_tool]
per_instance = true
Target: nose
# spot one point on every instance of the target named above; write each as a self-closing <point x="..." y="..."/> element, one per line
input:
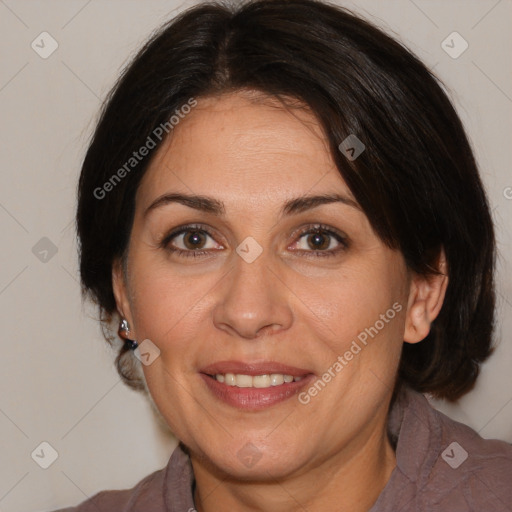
<point x="254" y="300"/>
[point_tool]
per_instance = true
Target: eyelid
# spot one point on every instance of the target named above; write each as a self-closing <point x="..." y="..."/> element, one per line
<point x="184" y="229"/>
<point x="341" y="238"/>
<point x="317" y="226"/>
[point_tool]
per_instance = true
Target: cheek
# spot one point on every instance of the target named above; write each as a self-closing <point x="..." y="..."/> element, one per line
<point x="365" y="316"/>
<point x="362" y="302"/>
<point x="166" y="303"/>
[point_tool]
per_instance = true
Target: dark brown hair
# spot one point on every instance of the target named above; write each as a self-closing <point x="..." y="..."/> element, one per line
<point x="417" y="180"/>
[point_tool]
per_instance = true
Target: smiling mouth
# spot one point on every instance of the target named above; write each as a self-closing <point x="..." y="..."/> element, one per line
<point x="256" y="385"/>
<point x="244" y="394"/>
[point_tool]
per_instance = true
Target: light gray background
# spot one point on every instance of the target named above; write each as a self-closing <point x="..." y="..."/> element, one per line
<point x="57" y="382"/>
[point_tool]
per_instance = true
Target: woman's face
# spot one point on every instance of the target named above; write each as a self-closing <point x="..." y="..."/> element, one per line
<point x="262" y="294"/>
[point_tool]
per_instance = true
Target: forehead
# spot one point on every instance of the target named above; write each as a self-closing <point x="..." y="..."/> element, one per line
<point x="244" y="145"/>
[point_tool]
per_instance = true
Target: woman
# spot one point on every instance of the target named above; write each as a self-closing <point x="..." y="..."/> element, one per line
<point x="281" y="211"/>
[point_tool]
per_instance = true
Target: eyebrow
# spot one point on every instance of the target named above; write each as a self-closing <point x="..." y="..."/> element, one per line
<point x="214" y="206"/>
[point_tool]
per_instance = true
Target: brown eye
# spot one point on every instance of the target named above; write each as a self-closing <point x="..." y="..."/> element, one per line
<point x="193" y="240"/>
<point x="321" y="241"/>
<point x="318" y="241"/>
<point x="190" y="241"/>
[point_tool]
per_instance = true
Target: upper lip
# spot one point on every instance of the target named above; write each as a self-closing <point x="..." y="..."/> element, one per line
<point x="253" y="368"/>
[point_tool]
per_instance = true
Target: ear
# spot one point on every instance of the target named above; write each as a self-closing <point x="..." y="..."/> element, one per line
<point x="426" y="296"/>
<point x="120" y="289"/>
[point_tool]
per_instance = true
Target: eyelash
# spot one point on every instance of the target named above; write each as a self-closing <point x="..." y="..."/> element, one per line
<point x="309" y="230"/>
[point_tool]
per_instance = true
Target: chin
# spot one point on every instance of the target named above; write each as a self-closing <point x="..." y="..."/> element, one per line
<point x="250" y="463"/>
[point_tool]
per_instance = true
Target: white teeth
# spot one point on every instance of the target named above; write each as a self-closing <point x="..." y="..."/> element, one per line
<point x="243" y="381"/>
<point x="261" y="381"/>
<point x="256" y="381"/>
<point x="230" y="379"/>
<point x="276" y="379"/>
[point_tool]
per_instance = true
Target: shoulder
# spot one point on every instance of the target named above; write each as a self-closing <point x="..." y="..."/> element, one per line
<point x="468" y="468"/>
<point x="443" y="464"/>
<point x="170" y="487"/>
<point x="146" y="495"/>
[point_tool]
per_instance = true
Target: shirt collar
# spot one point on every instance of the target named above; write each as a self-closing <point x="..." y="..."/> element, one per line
<point x="179" y="482"/>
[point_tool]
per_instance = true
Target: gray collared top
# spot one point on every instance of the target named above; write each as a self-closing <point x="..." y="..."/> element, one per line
<point x="442" y="465"/>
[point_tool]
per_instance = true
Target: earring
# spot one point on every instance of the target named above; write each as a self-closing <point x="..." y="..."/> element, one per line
<point x="124" y="329"/>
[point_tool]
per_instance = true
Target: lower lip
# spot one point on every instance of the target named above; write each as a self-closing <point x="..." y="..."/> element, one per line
<point x="254" y="398"/>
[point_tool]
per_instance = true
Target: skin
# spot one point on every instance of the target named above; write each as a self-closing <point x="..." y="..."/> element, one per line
<point x="289" y="305"/>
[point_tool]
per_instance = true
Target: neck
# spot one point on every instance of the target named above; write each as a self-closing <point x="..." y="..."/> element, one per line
<point x="340" y="482"/>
